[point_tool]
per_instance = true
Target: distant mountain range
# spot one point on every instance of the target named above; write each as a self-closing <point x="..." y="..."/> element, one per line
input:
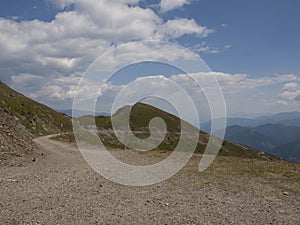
<point x="285" y="118"/>
<point x="69" y="112"/>
<point x="277" y="134"/>
<point x="140" y="117"/>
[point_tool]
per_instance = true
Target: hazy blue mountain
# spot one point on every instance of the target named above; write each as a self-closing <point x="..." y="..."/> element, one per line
<point x="249" y="137"/>
<point x="289" y="122"/>
<point x="280" y="117"/>
<point x="244" y="122"/>
<point x="290" y="151"/>
<point x="281" y="134"/>
<point x="285" y="118"/>
<point x="282" y="141"/>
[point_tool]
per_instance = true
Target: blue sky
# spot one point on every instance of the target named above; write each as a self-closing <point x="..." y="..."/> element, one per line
<point x="246" y="42"/>
<point x="263" y="35"/>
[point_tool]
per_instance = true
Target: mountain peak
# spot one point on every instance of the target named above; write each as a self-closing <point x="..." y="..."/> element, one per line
<point x="140" y="116"/>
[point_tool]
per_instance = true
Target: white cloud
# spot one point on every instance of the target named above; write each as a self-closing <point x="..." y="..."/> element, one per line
<point x="23" y="78"/>
<point x="179" y="27"/>
<point x="242" y="92"/>
<point x="281" y="102"/>
<point x="247" y="94"/>
<point x="168" y="5"/>
<point x="38" y="58"/>
<point x="204" y="48"/>
<point x="290" y="92"/>
<point x="61" y="4"/>
<point x="146" y="51"/>
<point x="224" y="25"/>
<point x="69" y="43"/>
<point x="156" y="88"/>
<point x="45" y="59"/>
<point x="33" y="82"/>
<point x="291" y="86"/>
<point x="235" y="83"/>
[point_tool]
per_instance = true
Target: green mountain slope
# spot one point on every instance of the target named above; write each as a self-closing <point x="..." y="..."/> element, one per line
<point x="37" y="118"/>
<point x="140" y="116"/>
<point x="22" y="119"/>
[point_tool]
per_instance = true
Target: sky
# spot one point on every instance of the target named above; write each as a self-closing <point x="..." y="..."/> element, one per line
<point x="251" y="47"/>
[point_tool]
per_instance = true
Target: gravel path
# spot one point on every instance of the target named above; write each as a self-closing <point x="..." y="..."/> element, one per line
<point x="60" y="188"/>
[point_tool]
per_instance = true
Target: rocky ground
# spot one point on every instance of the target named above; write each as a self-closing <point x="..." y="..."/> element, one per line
<point x="60" y="188"/>
<point x="16" y="145"/>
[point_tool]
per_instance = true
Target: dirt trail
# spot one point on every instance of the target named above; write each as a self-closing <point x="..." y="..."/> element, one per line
<point x="60" y="188"/>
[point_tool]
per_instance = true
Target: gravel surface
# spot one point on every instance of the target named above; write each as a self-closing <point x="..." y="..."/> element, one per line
<point x="60" y="188"/>
<point x="16" y="145"/>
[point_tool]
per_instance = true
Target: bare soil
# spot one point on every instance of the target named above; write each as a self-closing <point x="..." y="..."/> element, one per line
<point x="60" y="188"/>
<point x="16" y="145"/>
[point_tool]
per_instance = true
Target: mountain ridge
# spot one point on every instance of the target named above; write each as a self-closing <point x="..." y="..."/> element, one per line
<point x="37" y="118"/>
<point x="140" y="116"/>
<point x="275" y="139"/>
<point x="283" y="118"/>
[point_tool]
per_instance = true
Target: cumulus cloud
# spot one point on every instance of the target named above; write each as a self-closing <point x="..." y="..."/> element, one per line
<point x="179" y="27"/>
<point x="242" y="92"/>
<point x="76" y="37"/>
<point x="291" y="86"/>
<point x="57" y="92"/>
<point x="290" y="92"/>
<point x="168" y="5"/>
<point x="203" y="47"/>
<point x="235" y="83"/>
<point x="44" y="60"/>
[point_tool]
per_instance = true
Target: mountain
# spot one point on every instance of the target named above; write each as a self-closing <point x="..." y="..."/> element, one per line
<point x="275" y="139"/>
<point x="140" y="116"/>
<point x="15" y="140"/>
<point x="245" y="122"/>
<point x="291" y="122"/>
<point x="81" y="112"/>
<point x="22" y="119"/>
<point x="250" y="137"/>
<point x="290" y="151"/>
<point x="285" y="118"/>
<point x="276" y="134"/>
<point x="37" y="118"/>
<point x="280" y="134"/>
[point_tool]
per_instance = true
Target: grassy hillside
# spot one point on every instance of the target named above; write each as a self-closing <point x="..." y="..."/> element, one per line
<point x="140" y="116"/>
<point x="37" y="118"/>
